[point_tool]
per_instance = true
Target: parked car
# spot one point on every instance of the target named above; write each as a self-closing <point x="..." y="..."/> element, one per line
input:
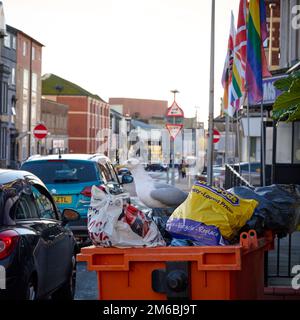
<point x="37" y="250"/>
<point x="154" y="167"/>
<point x="70" y="177"/>
<point x="121" y="171"/>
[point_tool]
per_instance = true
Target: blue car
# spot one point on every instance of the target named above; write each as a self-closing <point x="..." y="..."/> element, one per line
<point x="70" y="177"/>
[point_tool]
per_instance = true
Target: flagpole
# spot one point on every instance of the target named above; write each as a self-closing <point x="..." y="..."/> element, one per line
<point x="263" y="147"/>
<point x="226" y="137"/>
<point x="248" y="141"/>
<point x="211" y="99"/>
<point x="238" y="140"/>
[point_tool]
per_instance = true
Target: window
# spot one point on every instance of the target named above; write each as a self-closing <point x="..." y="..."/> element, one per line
<point x="7" y="41"/>
<point x="33" y="53"/>
<point x="4" y="94"/>
<point x="284" y="145"/>
<point x="62" y="171"/>
<point x="25" y="100"/>
<point x="44" y="204"/>
<point x="25" y="79"/>
<point x="14" y="42"/>
<point x="34" y="82"/>
<point x="34" y="98"/>
<point x="26" y="208"/>
<point x="296" y="142"/>
<point x="3" y="143"/>
<point x="107" y="172"/>
<point x="13" y="76"/>
<point x="106" y="177"/>
<point x="24" y="48"/>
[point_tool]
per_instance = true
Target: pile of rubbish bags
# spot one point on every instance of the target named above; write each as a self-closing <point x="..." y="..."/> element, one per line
<point x="210" y="216"/>
<point x="213" y="216"/>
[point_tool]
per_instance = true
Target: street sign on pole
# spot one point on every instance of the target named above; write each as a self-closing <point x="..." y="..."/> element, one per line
<point x="217" y="136"/>
<point x="175" y="111"/>
<point x="174" y="119"/>
<point x="40" y="131"/>
<point x="174" y="129"/>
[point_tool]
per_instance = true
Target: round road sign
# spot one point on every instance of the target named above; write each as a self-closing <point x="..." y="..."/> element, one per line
<point x="40" y="131"/>
<point x="217" y="136"/>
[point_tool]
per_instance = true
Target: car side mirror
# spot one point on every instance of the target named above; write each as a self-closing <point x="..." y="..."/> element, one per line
<point x="69" y="215"/>
<point x="126" y="179"/>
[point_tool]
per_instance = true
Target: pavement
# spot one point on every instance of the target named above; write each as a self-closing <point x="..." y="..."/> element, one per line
<point x="283" y="271"/>
<point x="86" y="283"/>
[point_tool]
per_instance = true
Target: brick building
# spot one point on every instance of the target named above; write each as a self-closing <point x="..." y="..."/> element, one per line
<point x="141" y="109"/>
<point x="55" y="117"/>
<point x="88" y="115"/>
<point x="28" y="90"/>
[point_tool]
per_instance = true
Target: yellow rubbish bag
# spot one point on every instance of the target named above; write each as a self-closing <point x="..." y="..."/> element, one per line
<point x="212" y="206"/>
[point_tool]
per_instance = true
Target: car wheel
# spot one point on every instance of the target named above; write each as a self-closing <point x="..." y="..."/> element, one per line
<point x="67" y="291"/>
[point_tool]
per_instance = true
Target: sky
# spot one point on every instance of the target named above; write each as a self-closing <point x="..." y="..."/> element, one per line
<point x="131" y="48"/>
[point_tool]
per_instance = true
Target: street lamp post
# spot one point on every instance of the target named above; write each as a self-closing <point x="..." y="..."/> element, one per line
<point x="172" y="144"/>
<point x="211" y="98"/>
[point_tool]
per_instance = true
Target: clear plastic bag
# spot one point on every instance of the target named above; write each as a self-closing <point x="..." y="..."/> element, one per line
<point x="111" y="223"/>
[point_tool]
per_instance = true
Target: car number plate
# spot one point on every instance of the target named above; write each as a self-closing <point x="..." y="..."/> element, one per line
<point x="63" y="199"/>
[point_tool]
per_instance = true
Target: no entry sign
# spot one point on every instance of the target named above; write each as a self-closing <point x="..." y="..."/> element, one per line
<point x="40" y="131"/>
<point x="217" y="136"/>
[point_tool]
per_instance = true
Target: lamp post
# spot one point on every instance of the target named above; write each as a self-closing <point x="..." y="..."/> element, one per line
<point x="211" y="98"/>
<point x="172" y="145"/>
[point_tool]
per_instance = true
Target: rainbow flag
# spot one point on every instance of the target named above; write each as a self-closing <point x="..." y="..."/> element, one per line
<point x="256" y="67"/>
<point x="237" y="87"/>
<point x="227" y="72"/>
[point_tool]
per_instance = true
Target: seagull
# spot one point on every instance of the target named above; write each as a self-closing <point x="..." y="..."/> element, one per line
<point x="154" y="194"/>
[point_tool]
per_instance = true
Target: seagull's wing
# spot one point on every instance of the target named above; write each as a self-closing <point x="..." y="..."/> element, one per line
<point x="160" y="185"/>
<point x="168" y="195"/>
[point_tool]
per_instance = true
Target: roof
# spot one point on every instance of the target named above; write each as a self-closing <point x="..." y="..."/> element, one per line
<point x="55" y="85"/>
<point x="67" y="156"/>
<point x="136" y="123"/>
<point x="25" y="34"/>
<point x="294" y="68"/>
<point x="7" y="176"/>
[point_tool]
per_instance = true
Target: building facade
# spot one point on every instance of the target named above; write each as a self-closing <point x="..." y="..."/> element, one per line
<point x="88" y="115"/>
<point x="141" y="109"/>
<point x="55" y="117"/>
<point x="119" y="136"/>
<point x="8" y="150"/>
<point x="28" y="90"/>
<point x="290" y="33"/>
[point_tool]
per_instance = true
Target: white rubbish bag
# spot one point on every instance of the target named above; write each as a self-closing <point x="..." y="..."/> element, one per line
<point x="111" y="223"/>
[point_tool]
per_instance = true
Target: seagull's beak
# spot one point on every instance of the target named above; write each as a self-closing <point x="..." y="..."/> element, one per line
<point x="120" y="166"/>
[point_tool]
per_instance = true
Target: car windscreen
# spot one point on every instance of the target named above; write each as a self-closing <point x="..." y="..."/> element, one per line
<point x="62" y="171"/>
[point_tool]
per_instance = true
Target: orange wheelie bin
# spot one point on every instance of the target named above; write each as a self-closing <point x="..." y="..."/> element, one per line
<point x="197" y="273"/>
